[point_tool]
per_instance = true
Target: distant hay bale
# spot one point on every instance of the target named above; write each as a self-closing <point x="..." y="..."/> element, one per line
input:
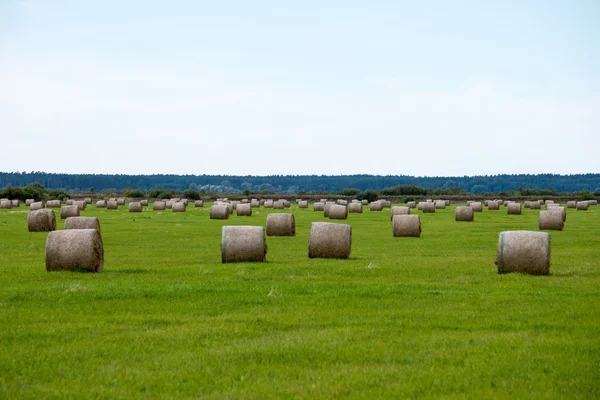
<point x="219" y="211"/>
<point x="121" y="201"/>
<point x="112" y="199"/>
<point x="235" y="203"/>
<point x="593" y="202"/>
<point x="337" y="211"/>
<point x="535" y="205"/>
<point x="376" y="206"/>
<point x="112" y="205"/>
<point x="411" y="204"/>
<point x="549" y="220"/>
<point x="135" y="206"/>
<point x="243" y="244"/>
<point x="286" y="203"/>
<point x="527" y="204"/>
<point x="6" y="204"/>
<point x="572" y="204"/>
<point x="82" y="223"/>
<point x="476" y="206"/>
<point x="244" y="201"/>
<point x="329" y="240"/>
<point x="144" y="202"/>
<point x="169" y="204"/>
<point x="323" y="200"/>
<point x="101" y="204"/>
<point x="319" y="206"/>
<point x="514" y="208"/>
<point x="486" y="202"/>
<point x="16" y="203"/>
<point x="261" y="202"/>
<point x="327" y="208"/>
<point x="582" y="205"/>
<point x="198" y="203"/>
<point x="559" y="209"/>
<point x="278" y="205"/>
<point x="506" y="202"/>
<point x="399" y="210"/>
<point x="80" y="204"/>
<point x="38" y="205"/>
<point x="88" y="200"/>
<point x="427" y="207"/>
<point x="159" y="205"/>
<point x="244" y="210"/>
<point x="254" y="203"/>
<point x="41" y="220"/>
<point x="178" y="207"/>
<point x="523" y="251"/>
<point x="355" y="201"/>
<point x="440" y="204"/>
<point x="493" y="205"/>
<point x="386" y="203"/>
<point x="464" y="213"/>
<point x="53" y="203"/>
<point x="404" y="225"/>
<point x="70" y="202"/>
<point x="75" y="249"/>
<point x="174" y="199"/>
<point x="28" y="202"/>
<point x="303" y="204"/>
<point x="281" y="225"/>
<point x="355" y="208"/>
<point x="549" y="202"/>
<point x="185" y="202"/>
<point x="447" y="203"/>
<point x="268" y="203"/>
<point x="364" y="202"/>
<point x="69" y="211"/>
<point x="342" y="202"/>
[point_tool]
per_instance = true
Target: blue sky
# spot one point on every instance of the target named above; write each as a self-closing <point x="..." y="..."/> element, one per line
<point x="383" y="87"/>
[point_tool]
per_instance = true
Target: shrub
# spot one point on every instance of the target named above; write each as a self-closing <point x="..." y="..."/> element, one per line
<point x="370" y="195"/>
<point x="191" y="195"/>
<point x="134" y="193"/>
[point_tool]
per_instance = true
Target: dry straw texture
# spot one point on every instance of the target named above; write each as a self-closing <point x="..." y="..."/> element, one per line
<point x="38" y="205"/>
<point x="319" y="206"/>
<point x="243" y="244"/>
<point x="169" y="204"/>
<point x="29" y="201"/>
<point x="399" y="210"/>
<point x="69" y="211"/>
<point x="406" y="226"/>
<point x="42" y="220"/>
<point x="535" y="205"/>
<point x="80" y="204"/>
<point x="135" y="206"/>
<point x="101" y="204"/>
<point x="329" y="240"/>
<point x="523" y="251"/>
<point x="364" y="202"/>
<point x="342" y="202"/>
<point x="219" y="211"/>
<point x="582" y="205"/>
<point x="411" y="204"/>
<point x="53" y="203"/>
<point x="281" y="225"/>
<point x="159" y="205"/>
<point x="514" y="208"/>
<point x="303" y="204"/>
<point x="549" y="220"/>
<point x="178" y="207"/>
<point x="6" y="204"/>
<point x="198" y="203"/>
<point x="144" y="202"/>
<point x="88" y="200"/>
<point x="75" y="249"/>
<point x="268" y="204"/>
<point x="355" y="208"/>
<point x="559" y="209"/>
<point x="121" y="201"/>
<point x="337" y="211"/>
<point x="70" y="202"/>
<point x="254" y="203"/>
<point x="572" y="204"/>
<point x="465" y="213"/>
<point x="376" y="206"/>
<point x="82" y="223"/>
<point x="427" y="207"/>
<point x="493" y="205"/>
<point x="476" y="206"/>
<point x="243" y="210"/>
<point x="112" y="205"/>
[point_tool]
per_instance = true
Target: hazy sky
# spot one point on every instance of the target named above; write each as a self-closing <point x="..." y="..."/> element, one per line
<point x="310" y="87"/>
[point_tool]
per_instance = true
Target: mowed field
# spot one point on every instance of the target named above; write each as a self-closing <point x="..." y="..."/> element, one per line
<point x="421" y="317"/>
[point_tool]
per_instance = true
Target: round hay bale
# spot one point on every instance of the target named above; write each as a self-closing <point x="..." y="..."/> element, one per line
<point x="404" y="225"/>
<point x="70" y="202"/>
<point x="53" y="203"/>
<point x="219" y="211"/>
<point x="399" y="210"/>
<point x="278" y="205"/>
<point x="28" y="202"/>
<point x="69" y="211"/>
<point x="549" y="220"/>
<point x="411" y="204"/>
<point x="427" y="207"/>
<point x="523" y="251"/>
<point x="82" y="223"/>
<point x="88" y="200"/>
<point x="447" y="203"/>
<point x="41" y="220"/>
<point x="337" y="211"/>
<point x="559" y="209"/>
<point x="303" y="204"/>
<point x="342" y="202"/>
<point x="364" y="202"/>
<point x="121" y="201"/>
<point x="243" y="244"/>
<point x="38" y="205"/>
<point x="355" y="208"/>
<point x="235" y="203"/>
<point x="244" y="201"/>
<point x="135" y="206"/>
<point x="329" y="240"/>
<point x="112" y="199"/>
<point x="323" y="200"/>
<point x="386" y="203"/>
<point x="582" y="205"/>
<point x="244" y="210"/>
<point x="169" y="204"/>
<point x="440" y="204"/>
<point x="514" y="208"/>
<point x="144" y="202"/>
<point x="593" y="202"/>
<point x="327" y="208"/>
<point x="572" y="204"/>
<point x="174" y="199"/>
<point x="355" y="201"/>
<point x="101" y="204"/>
<point x="486" y="202"/>
<point x="185" y="202"/>
<point x="281" y="225"/>
<point x="535" y="205"/>
<point x="80" y="204"/>
<point x="376" y="206"/>
<point x="286" y="203"/>
<point x="319" y="206"/>
<point x="476" y="206"/>
<point x="548" y="202"/>
<point x="465" y="213"/>
<point x="198" y="203"/>
<point x="112" y="205"/>
<point x="268" y="204"/>
<point x="493" y="205"/>
<point x="159" y="205"/>
<point x="527" y="204"/>
<point x="16" y="203"/>
<point x="254" y="203"/>
<point x="75" y="249"/>
<point x="178" y="207"/>
<point x="261" y="202"/>
<point x="506" y="202"/>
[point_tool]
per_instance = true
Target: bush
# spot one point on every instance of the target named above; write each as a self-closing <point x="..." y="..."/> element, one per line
<point x="370" y="195"/>
<point x="585" y="196"/>
<point x="134" y="193"/>
<point x="350" y="192"/>
<point x="191" y="195"/>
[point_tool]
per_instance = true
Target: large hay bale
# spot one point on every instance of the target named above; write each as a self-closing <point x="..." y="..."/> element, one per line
<point x="41" y="220"/>
<point x="281" y="225"/>
<point x="268" y="203"/>
<point x="29" y="201"/>
<point x="559" y="209"/>
<point x="535" y="205"/>
<point x="169" y="204"/>
<point x="69" y="211"/>
<point x="582" y="205"/>
<point x="411" y="204"/>
<point x="159" y="205"/>
<point x="329" y="240"/>
<point x="88" y="200"/>
<point x="327" y="208"/>
<point x="121" y="201"/>
<point x="135" y="206"/>
<point x="404" y="225"/>
<point x="493" y="205"/>
<point x="355" y="208"/>
<point x="144" y="202"/>
<point x="185" y="202"/>
<point x="476" y="206"/>
<point x="364" y="202"/>
<point x="342" y="202"/>
<point x="82" y="223"/>
<point x="399" y="210"/>
<point x="198" y="203"/>
<point x="549" y="220"/>
<point x="75" y="249"/>
<point x="101" y="204"/>
<point x="427" y="207"/>
<point x="440" y="204"/>
<point x="235" y="203"/>
<point x="243" y="210"/>
<point x="303" y="204"/>
<point x="178" y="207"/>
<point x="112" y="205"/>
<point x="53" y="203"/>
<point x="319" y="206"/>
<point x="80" y="204"/>
<point x="38" y="205"/>
<point x="464" y="213"/>
<point x="286" y="203"/>
<point x="376" y="206"/>
<point x="514" y="208"/>
<point x="572" y="204"/>
<point x="219" y="211"/>
<point x="243" y="244"/>
<point x="523" y="251"/>
<point x="337" y="211"/>
<point x="593" y="202"/>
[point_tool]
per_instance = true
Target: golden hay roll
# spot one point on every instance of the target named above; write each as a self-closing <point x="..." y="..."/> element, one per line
<point x="159" y="205"/>
<point x="527" y="204"/>
<point x="268" y="203"/>
<point x="364" y="202"/>
<point x="235" y="203"/>
<point x="549" y="220"/>
<point x="326" y="209"/>
<point x="523" y="251"/>
<point x="329" y="240"/>
<point x="337" y="211"/>
<point x="411" y="204"/>
<point x="582" y="205"/>
<point x="303" y="204"/>
<point x="38" y="205"/>
<point x="319" y="206"/>
<point x="464" y="213"/>
<point x="376" y="206"/>
<point x="427" y="207"/>
<point x="29" y="201"/>
<point x="82" y="223"/>
<point x="514" y="208"/>
<point x="572" y="204"/>
<point x="75" y="249"/>
<point x="386" y="203"/>
<point x="281" y="225"/>
<point x="69" y="211"/>
<point x="278" y="205"/>
<point x="243" y="210"/>
<point x="135" y="206"/>
<point x="399" y="210"/>
<point x="53" y="203"/>
<point x="178" y="207"/>
<point x="447" y="203"/>
<point x="342" y="202"/>
<point x="41" y="220"/>
<point x="243" y="244"/>
<point x="476" y="206"/>
<point x="355" y="208"/>
<point x="198" y="203"/>
<point x="112" y="205"/>
<point x="101" y="204"/>
<point x="144" y="202"/>
<point x="219" y="211"/>
<point x="493" y="205"/>
<point x="406" y="225"/>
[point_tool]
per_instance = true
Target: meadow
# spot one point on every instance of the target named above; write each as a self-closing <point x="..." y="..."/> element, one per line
<point x="425" y="317"/>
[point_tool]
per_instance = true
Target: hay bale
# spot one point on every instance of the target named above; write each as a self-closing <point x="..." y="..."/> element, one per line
<point x="319" y="206"/>
<point x="28" y="202"/>
<point x="174" y="199"/>
<point x="88" y="200"/>
<point x="244" y="201"/>
<point x="535" y="205"/>
<point x="582" y="205"/>
<point x="80" y="204"/>
<point x="169" y="204"/>
<point x="376" y="206"/>
<point x="278" y="205"/>
<point x="572" y="204"/>
<point x="386" y="203"/>
<point x="303" y="204"/>
<point x="342" y="202"/>
<point x="101" y="204"/>
<point x="476" y="206"/>
<point x="486" y="202"/>
<point x="399" y="210"/>
<point x="254" y="203"/>
<point x="364" y="202"/>
<point x="261" y="202"/>
<point x="235" y="203"/>
<point x="427" y="207"/>
<point x="329" y="240"/>
<point x="112" y="199"/>
<point x="144" y="202"/>
<point x="38" y="205"/>
<point x="121" y="201"/>
<point x="464" y="213"/>
<point x="527" y="204"/>
<point x="447" y="203"/>
<point x="549" y="220"/>
<point x="355" y="208"/>
<point x="523" y="251"/>
<point x="82" y="223"/>
<point x="243" y="244"/>
<point x="286" y="203"/>
<point x="327" y="208"/>
<point x="506" y="202"/>
<point x="70" y="202"/>
<point x="323" y="201"/>
<point x="559" y="209"/>
<point x="198" y="203"/>
<point x="53" y="203"/>
<point x="268" y="204"/>
<point x="185" y="202"/>
<point x="411" y="204"/>
<point x="219" y="211"/>
<point x="548" y="202"/>
<point x="112" y="205"/>
<point x="69" y="211"/>
<point x="75" y="249"/>
<point x="136" y="206"/>
<point x="41" y="220"/>
<point x="493" y="205"/>
<point x="440" y="204"/>
<point x="592" y="202"/>
<point x="337" y="211"/>
<point x="514" y="208"/>
<point x="178" y="207"/>
<point x="244" y="210"/>
<point x="404" y="225"/>
<point x="281" y="225"/>
<point x="159" y="205"/>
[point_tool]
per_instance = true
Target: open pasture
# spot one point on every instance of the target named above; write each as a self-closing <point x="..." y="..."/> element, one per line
<point x="424" y="317"/>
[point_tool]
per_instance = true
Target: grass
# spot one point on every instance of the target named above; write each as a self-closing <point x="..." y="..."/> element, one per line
<point x="421" y="317"/>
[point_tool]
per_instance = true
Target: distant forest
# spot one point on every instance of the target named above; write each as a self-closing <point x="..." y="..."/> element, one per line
<point x="299" y="183"/>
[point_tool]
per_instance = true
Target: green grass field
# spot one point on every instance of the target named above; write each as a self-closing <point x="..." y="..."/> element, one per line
<point x="421" y="317"/>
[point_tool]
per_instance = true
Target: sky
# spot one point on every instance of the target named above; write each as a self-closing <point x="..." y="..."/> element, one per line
<point x="436" y="88"/>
